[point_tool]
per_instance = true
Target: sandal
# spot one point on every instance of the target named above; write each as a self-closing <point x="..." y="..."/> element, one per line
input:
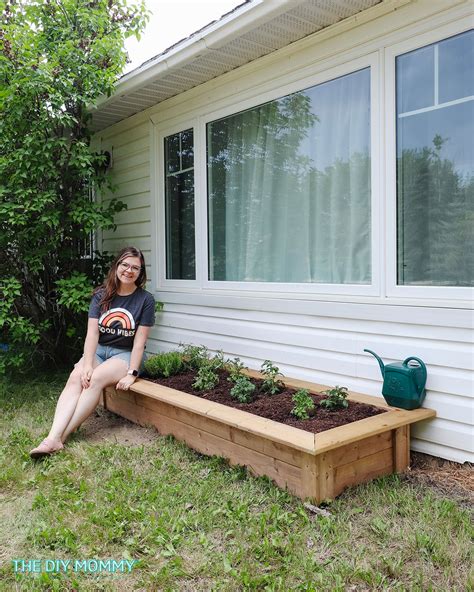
<point x="46" y="448"/>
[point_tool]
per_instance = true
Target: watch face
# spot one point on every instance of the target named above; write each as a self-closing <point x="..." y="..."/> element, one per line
<point x="133" y="372"/>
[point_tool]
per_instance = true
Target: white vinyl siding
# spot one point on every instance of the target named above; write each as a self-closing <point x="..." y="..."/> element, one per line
<point x="131" y="174"/>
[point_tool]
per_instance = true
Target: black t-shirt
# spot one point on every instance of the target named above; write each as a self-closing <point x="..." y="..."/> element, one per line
<point x="117" y="326"/>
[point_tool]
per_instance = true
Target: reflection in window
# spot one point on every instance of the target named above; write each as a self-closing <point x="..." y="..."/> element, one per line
<point x="289" y="188"/>
<point x="179" y="206"/>
<point x="435" y="164"/>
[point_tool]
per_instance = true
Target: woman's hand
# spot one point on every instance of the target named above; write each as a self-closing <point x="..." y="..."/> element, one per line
<point x="125" y="383"/>
<point x="86" y="376"/>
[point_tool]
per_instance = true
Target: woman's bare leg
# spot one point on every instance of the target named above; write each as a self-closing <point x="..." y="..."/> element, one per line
<point x="67" y="403"/>
<point x="106" y="374"/>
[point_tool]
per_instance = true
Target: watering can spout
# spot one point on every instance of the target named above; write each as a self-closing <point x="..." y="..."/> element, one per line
<point x="379" y="360"/>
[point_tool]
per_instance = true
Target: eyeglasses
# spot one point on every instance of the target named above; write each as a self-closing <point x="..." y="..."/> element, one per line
<point x="127" y="267"/>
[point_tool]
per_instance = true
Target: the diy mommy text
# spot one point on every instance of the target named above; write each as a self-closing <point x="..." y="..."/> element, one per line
<point x="72" y="565"/>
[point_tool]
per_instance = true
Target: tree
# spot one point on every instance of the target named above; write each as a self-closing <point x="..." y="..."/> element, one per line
<point x="57" y="57"/>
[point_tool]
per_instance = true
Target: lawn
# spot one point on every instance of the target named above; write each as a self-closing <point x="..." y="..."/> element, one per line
<point x="193" y="523"/>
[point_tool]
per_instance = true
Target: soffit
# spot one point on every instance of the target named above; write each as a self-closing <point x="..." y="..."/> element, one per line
<point x="220" y="47"/>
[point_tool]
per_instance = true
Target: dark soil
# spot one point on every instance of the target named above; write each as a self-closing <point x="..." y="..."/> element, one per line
<point x="276" y="407"/>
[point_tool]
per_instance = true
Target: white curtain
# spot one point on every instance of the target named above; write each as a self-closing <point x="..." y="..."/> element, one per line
<point x="289" y="188"/>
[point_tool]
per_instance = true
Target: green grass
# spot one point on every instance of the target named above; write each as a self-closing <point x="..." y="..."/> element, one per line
<point x="194" y="523"/>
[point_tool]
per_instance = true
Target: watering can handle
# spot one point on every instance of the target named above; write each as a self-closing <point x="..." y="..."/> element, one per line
<point x="422" y="364"/>
<point x="421" y="384"/>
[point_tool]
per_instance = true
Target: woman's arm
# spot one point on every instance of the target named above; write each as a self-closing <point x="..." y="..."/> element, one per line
<point x="90" y="346"/>
<point x="136" y="358"/>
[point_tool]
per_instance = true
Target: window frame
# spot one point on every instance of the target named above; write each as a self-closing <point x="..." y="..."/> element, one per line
<point x="159" y="182"/>
<point x="392" y="288"/>
<point x="199" y="124"/>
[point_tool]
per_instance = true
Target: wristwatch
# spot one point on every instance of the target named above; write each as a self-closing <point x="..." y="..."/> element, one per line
<point x="133" y="372"/>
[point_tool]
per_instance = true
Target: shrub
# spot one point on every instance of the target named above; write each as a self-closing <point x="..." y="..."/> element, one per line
<point x="243" y="389"/>
<point x="206" y="378"/>
<point x="57" y="60"/>
<point x="303" y="404"/>
<point x="164" y="365"/>
<point x="271" y="383"/>
<point x="336" y="398"/>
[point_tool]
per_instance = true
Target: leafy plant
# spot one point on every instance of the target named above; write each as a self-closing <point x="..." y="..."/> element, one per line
<point x="303" y="403"/>
<point x="218" y="361"/>
<point x="74" y="292"/>
<point x="243" y="389"/>
<point x="194" y="356"/>
<point x="235" y="369"/>
<point x="57" y="59"/>
<point x="336" y="398"/>
<point x="271" y="383"/>
<point x="206" y="378"/>
<point x="165" y="364"/>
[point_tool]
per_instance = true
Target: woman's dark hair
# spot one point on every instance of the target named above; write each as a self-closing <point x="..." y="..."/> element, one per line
<point x="111" y="283"/>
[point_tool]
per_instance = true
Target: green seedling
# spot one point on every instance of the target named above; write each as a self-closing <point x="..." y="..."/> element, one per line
<point x="235" y="369"/>
<point x="303" y="404"/>
<point x="243" y="389"/>
<point x="206" y="378"/>
<point x="336" y="398"/>
<point x="271" y="384"/>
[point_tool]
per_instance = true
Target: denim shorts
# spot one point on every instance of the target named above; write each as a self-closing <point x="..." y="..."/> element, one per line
<point x="106" y="352"/>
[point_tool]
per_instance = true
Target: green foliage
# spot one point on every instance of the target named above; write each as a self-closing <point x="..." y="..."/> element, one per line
<point x="195" y="356"/>
<point x="336" y="398"/>
<point x="271" y="384"/>
<point x="165" y="364"/>
<point x="243" y="389"/>
<point x="303" y="403"/>
<point x="235" y="369"/>
<point x="217" y="362"/>
<point x="206" y="378"/>
<point x="56" y="60"/>
<point x="23" y="334"/>
<point x="74" y="292"/>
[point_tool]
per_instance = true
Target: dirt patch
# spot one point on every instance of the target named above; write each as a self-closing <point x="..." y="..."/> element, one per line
<point x="275" y="407"/>
<point x="448" y="478"/>
<point x="104" y="426"/>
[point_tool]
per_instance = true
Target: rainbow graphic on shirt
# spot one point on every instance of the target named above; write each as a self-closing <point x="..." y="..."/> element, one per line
<point x="117" y="321"/>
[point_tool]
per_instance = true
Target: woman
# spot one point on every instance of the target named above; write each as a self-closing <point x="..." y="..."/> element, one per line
<point x="120" y="316"/>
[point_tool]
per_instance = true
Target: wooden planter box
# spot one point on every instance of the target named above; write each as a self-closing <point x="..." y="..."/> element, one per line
<point x="314" y="466"/>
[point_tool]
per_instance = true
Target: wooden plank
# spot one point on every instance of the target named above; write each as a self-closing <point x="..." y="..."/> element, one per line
<point x="401" y="448"/>
<point x="356" y="450"/>
<point x="363" y="470"/>
<point x="285" y="475"/>
<point x="370" y="426"/>
<point x="288" y="454"/>
<point x="309" y="477"/>
<point x="325" y="470"/>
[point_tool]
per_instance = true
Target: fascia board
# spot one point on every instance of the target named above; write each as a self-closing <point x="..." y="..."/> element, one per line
<point x="212" y="38"/>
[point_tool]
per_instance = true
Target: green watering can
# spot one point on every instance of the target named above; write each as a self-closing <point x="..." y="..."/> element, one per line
<point x="403" y="383"/>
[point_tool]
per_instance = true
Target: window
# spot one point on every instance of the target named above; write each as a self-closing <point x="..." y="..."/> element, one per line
<point x="435" y="164"/>
<point x="179" y="206"/>
<point x="289" y="188"/>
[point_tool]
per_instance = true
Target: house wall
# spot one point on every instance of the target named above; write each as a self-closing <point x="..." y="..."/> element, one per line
<point x="313" y="336"/>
